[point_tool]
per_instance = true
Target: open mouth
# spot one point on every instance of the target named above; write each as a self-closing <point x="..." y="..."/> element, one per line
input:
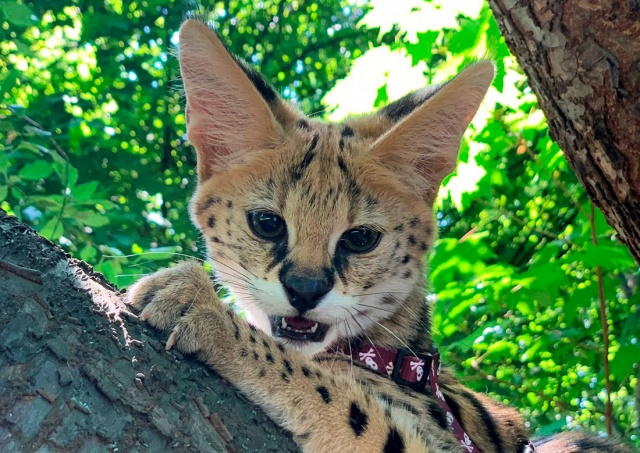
<point x="298" y="328"/>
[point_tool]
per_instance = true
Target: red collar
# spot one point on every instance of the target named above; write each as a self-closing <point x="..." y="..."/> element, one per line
<point x="417" y="371"/>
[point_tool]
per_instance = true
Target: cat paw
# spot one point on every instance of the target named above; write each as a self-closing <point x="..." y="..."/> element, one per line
<point x="167" y="296"/>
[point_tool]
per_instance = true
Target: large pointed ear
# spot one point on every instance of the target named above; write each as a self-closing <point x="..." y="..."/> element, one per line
<point x="227" y="112"/>
<point x="422" y="148"/>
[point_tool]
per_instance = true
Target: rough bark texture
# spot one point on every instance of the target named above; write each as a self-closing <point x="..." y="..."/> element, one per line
<point x="582" y="58"/>
<point x="77" y="375"/>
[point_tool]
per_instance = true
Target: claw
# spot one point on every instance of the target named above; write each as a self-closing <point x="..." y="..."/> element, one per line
<point x="173" y="338"/>
<point x="145" y="314"/>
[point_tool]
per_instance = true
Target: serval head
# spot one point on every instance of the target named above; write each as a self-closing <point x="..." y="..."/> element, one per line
<point x="319" y="229"/>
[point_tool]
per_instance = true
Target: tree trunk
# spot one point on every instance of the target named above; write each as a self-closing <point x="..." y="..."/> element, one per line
<point x="77" y="375"/>
<point x="582" y="59"/>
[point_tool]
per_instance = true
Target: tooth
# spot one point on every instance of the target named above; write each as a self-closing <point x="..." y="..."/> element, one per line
<point x="314" y="328"/>
<point x="283" y="324"/>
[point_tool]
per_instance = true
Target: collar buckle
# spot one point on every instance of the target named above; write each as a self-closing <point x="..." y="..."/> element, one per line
<point x="397" y="373"/>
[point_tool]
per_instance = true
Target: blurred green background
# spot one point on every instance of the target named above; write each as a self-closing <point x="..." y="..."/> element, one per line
<point x="94" y="157"/>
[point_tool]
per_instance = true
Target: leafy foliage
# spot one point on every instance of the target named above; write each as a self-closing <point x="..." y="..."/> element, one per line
<point x="94" y="158"/>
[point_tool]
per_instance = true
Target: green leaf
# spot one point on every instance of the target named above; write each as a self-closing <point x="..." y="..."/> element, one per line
<point x="53" y="229"/>
<point x="466" y="37"/>
<point x="88" y="253"/>
<point x="85" y="191"/>
<point x="67" y="173"/>
<point x="18" y="14"/>
<point x="502" y="349"/>
<point x="4" y="191"/>
<point x="33" y="171"/>
<point x="622" y="363"/>
<point x="422" y="50"/>
<point x="92" y="219"/>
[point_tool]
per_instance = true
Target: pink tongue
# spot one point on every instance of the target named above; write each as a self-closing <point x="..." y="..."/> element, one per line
<point x="299" y="323"/>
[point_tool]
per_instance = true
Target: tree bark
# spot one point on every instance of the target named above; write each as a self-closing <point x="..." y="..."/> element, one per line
<point x="77" y="374"/>
<point x="582" y="60"/>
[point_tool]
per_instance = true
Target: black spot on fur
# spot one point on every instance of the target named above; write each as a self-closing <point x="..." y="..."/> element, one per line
<point x="423" y="246"/>
<point x="285" y="377"/>
<point x="394" y="443"/>
<point x="414" y="222"/>
<point x="406" y="274"/>
<point x="398" y="227"/>
<point x="255" y="355"/>
<point x="287" y="366"/>
<point x="454" y="406"/>
<point x="252" y="327"/>
<point x="405" y="259"/>
<point x="341" y="144"/>
<point x="343" y="166"/>
<point x="324" y="393"/>
<point x="206" y="204"/>
<point x="303" y="124"/>
<point x="347" y="132"/>
<point x="262" y="373"/>
<point x="388" y="300"/>
<point x="280" y="347"/>
<point x="266" y="345"/>
<point x="411" y="240"/>
<point x="244" y="352"/>
<point x="438" y="414"/>
<point x="252" y="338"/>
<point x="297" y="171"/>
<point x="487" y="421"/>
<point x="358" y="419"/>
<point x="306" y="371"/>
<point x="229" y="204"/>
<point x="216" y="239"/>
<point x="269" y="357"/>
<point x="211" y="222"/>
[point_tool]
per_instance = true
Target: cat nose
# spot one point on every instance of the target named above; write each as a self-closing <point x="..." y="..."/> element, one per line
<point x="305" y="292"/>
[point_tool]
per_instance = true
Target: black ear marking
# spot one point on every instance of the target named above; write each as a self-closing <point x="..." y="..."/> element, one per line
<point x="265" y="90"/>
<point x="400" y="108"/>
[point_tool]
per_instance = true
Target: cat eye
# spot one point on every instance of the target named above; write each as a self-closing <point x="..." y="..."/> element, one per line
<point x="266" y="225"/>
<point x="360" y="240"/>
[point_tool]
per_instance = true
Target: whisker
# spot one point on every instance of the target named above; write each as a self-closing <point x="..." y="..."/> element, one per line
<point x="385" y="328"/>
<point x="131" y="255"/>
<point x="362" y="329"/>
<point x="387" y="293"/>
<point x="377" y="308"/>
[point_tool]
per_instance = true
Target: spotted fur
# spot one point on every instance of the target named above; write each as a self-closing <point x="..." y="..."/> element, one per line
<point x="382" y="171"/>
